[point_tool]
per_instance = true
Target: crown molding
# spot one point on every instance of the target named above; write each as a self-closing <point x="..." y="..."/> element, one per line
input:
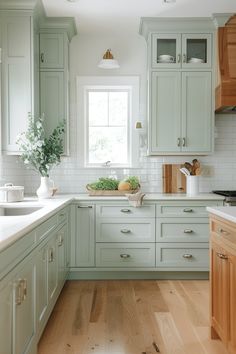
<point x="18" y="4"/>
<point x="66" y="24"/>
<point x="221" y="19"/>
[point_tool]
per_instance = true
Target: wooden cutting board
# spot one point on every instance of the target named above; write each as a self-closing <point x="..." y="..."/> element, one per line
<point x="173" y="180"/>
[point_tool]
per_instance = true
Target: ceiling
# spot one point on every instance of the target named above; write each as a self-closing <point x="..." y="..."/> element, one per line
<point x="115" y="16"/>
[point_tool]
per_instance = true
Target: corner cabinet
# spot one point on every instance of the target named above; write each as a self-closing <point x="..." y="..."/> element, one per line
<point x="180" y="95"/>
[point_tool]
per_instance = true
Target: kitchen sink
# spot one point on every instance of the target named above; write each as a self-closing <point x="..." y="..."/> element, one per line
<point x="17" y="211"/>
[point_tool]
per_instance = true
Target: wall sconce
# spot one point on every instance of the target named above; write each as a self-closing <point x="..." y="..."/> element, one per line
<point x="108" y="61"/>
<point x="142" y="134"/>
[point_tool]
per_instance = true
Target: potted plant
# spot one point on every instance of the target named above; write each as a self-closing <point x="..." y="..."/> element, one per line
<point x="41" y="152"/>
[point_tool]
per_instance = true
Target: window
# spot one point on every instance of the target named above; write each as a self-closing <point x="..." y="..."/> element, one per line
<point x="107" y="115"/>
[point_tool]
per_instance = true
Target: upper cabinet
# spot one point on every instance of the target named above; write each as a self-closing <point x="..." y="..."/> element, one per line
<point x="54" y="39"/>
<point x="33" y="45"/>
<point x="17" y="76"/>
<point x="180" y="89"/>
<point x="181" y="50"/>
<point x="51" y="51"/>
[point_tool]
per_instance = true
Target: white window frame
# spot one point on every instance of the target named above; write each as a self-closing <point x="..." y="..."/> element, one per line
<point x="106" y="83"/>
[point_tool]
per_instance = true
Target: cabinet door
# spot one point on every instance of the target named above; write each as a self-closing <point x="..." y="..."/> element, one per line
<point x="16" y="78"/>
<point x="219" y="292"/>
<point x="6" y="316"/>
<point x="85" y="236"/>
<point x="196" y="51"/>
<point x="23" y="310"/>
<point x="197" y="114"/>
<point x="232" y="304"/>
<point x="166" y="51"/>
<point x="53" y="99"/>
<point x="62" y="266"/>
<point x="41" y="285"/>
<point x="164" y="133"/>
<point x="51" y="50"/>
<point x="52" y="268"/>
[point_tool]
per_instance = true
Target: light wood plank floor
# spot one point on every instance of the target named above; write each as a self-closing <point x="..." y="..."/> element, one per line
<point x="131" y="317"/>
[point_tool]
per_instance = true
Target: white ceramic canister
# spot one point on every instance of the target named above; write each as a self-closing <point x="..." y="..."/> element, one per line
<point x="10" y="193"/>
<point x="192" y="185"/>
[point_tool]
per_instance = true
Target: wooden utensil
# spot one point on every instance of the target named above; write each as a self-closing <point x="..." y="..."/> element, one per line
<point x="189" y="167"/>
<point x="196" y="166"/>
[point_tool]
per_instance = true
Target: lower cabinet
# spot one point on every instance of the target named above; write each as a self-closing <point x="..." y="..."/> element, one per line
<point x="23" y="308"/>
<point x="6" y="320"/>
<point x="17" y="300"/>
<point x="223" y="282"/>
<point x="29" y="291"/>
<point x="84" y="238"/>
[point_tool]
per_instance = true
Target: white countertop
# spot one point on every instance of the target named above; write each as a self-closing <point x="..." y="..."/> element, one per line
<point x="14" y="227"/>
<point x="225" y="212"/>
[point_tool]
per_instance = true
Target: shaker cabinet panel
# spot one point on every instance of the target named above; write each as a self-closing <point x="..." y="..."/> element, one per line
<point x="23" y="309"/>
<point x="165" y="109"/>
<point x="51" y="51"/>
<point x="6" y="316"/>
<point x="197" y="113"/>
<point x="53" y="100"/>
<point x="16" y="86"/>
<point x="85" y="236"/>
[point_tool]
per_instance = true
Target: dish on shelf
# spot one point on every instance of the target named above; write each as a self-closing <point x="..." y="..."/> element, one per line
<point x="195" y="60"/>
<point x="166" y="61"/>
<point x="165" y="58"/>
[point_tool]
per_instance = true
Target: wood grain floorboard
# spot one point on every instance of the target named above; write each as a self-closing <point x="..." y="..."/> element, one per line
<point x="131" y="317"/>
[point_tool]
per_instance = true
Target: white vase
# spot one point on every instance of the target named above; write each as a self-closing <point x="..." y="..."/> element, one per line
<point x="192" y="185"/>
<point x="45" y="189"/>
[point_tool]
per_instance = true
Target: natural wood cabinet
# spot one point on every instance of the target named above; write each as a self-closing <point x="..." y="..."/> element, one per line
<point x="223" y="282"/>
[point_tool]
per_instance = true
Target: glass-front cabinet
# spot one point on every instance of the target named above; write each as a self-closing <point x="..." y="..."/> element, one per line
<point x="181" y="50"/>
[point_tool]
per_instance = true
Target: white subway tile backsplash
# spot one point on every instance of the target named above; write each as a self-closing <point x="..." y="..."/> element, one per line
<point x="69" y="177"/>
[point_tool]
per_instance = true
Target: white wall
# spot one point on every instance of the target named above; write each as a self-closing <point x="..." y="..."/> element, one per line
<point x="130" y="50"/>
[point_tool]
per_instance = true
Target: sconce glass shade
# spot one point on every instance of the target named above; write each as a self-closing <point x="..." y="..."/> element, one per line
<point x="108" y="61"/>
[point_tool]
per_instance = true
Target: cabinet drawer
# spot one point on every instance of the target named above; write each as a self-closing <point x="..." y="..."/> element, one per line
<point x="62" y="216"/>
<point x="182" y="230"/>
<point x="187" y="256"/>
<point x="224" y="230"/>
<point x="190" y="210"/>
<point x="125" y="211"/>
<point x="125" y="255"/>
<point x="142" y="230"/>
<point x="45" y="229"/>
<point x="12" y="255"/>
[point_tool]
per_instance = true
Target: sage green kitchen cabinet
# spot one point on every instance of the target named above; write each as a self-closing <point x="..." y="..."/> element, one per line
<point x="41" y="286"/>
<point x="6" y="295"/>
<point x="62" y="254"/>
<point x="52" y="51"/>
<point x="17" y="75"/>
<point x="185" y="50"/>
<point x="23" y="308"/>
<point x="53" y="98"/>
<point x="52" y="259"/>
<point x="84" y="241"/>
<point x="181" y="113"/>
<point x="54" y="78"/>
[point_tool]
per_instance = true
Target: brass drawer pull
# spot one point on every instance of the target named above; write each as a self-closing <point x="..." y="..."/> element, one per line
<point x="50" y="259"/>
<point x="184" y="58"/>
<point x="85" y="206"/>
<point x="187" y="256"/>
<point x="188" y="210"/>
<point x="124" y="256"/>
<point x="188" y="231"/>
<point x="125" y="231"/>
<point x="222" y="256"/>
<point x="178" y="142"/>
<point x="125" y="210"/>
<point x="178" y="58"/>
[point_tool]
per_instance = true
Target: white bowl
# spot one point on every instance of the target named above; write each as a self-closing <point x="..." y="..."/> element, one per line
<point x="196" y="60"/>
<point x="167" y="57"/>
